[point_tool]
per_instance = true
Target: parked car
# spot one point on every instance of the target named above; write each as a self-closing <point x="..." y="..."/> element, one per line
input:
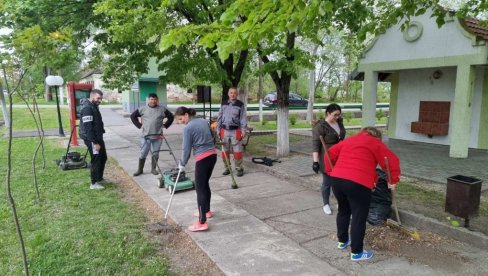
<point x="271" y="99"/>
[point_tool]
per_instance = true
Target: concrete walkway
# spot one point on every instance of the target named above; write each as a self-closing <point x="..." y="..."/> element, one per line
<point x="274" y="224"/>
<point x="425" y="161"/>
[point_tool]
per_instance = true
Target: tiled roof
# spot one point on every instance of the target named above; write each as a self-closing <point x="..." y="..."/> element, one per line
<point x="90" y="72"/>
<point x="474" y="26"/>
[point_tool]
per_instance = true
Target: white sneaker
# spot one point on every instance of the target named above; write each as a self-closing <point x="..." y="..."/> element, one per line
<point x="327" y="209"/>
<point x="96" y="186"/>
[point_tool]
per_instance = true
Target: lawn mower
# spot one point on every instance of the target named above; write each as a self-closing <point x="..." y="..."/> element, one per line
<point x="72" y="160"/>
<point x="169" y="178"/>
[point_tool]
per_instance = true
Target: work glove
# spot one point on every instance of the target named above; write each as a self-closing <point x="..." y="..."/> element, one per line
<point x="316" y="167"/>
<point x="180" y="167"/>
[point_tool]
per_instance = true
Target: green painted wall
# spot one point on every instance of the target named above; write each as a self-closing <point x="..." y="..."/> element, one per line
<point x="393" y="110"/>
<point x="483" y="127"/>
<point x="146" y="88"/>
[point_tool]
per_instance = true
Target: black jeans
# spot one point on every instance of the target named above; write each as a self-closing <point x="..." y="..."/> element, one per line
<point x="97" y="164"/>
<point x="353" y="200"/>
<point x="203" y="172"/>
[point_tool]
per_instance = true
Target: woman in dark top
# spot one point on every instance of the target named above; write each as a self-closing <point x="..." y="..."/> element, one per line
<point x="332" y="131"/>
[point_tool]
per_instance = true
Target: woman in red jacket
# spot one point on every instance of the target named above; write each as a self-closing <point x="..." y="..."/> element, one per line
<point x="353" y="177"/>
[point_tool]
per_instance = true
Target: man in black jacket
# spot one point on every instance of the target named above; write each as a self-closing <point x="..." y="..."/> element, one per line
<point x="91" y="131"/>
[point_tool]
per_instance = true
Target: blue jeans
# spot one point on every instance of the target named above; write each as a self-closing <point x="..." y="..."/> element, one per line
<point x="153" y="144"/>
<point x="325" y="188"/>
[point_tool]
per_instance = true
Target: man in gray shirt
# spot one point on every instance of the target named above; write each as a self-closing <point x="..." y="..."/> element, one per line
<point x="232" y="126"/>
<point x="151" y="118"/>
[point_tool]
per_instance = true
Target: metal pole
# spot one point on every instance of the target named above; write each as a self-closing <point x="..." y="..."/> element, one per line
<point x="61" y="132"/>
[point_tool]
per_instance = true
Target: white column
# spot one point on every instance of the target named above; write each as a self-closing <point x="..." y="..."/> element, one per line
<point x="370" y="86"/>
<point x="461" y="117"/>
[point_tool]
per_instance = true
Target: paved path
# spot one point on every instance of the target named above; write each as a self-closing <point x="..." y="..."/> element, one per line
<point x="274" y="224"/>
<point x="421" y="160"/>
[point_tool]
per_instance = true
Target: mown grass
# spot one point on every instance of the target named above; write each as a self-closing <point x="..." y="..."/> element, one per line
<point x="72" y="229"/>
<point x="271" y="124"/>
<point x="257" y="144"/>
<point x="23" y="120"/>
<point x="430" y="198"/>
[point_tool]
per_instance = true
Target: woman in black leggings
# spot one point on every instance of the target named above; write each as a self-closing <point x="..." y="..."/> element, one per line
<point x="198" y="136"/>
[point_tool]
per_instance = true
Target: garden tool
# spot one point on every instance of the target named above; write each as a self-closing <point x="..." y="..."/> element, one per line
<point x="325" y="151"/>
<point x="228" y="165"/>
<point x="398" y="224"/>
<point x="172" y="194"/>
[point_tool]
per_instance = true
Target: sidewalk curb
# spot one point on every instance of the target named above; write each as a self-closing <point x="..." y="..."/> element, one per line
<point x="457" y="233"/>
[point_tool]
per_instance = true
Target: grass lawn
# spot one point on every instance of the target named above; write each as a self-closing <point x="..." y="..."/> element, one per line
<point x="72" y="229"/>
<point x="271" y="125"/>
<point x="23" y="120"/>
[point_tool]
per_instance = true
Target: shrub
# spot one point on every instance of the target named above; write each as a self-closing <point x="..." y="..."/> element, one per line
<point x="320" y="115"/>
<point x="293" y="119"/>
<point x="347" y="116"/>
<point x="380" y="114"/>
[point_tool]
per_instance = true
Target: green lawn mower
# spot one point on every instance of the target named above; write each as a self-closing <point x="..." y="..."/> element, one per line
<point x="168" y="179"/>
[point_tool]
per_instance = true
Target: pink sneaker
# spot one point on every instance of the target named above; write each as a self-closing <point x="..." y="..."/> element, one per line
<point x="198" y="227"/>
<point x="209" y="214"/>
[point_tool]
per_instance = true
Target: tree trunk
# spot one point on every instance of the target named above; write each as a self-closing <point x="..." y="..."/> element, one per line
<point x="243" y="93"/>
<point x="6" y="118"/>
<point x="9" y="192"/>
<point x="311" y="97"/>
<point x="282" y="84"/>
<point x="233" y="72"/>
<point x="225" y="91"/>
<point x="47" y="91"/>
<point x="260" y="91"/>
<point x="283" y="136"/>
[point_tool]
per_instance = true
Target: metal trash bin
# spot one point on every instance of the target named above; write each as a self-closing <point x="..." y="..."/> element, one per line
<point x="463" y="197"/>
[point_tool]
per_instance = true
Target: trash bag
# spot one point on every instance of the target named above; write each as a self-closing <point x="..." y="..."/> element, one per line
<point x="380" y="206"/>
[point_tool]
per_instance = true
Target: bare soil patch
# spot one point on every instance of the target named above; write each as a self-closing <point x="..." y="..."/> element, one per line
<point x="183" y="255"/>
<point x="432" y="250"/>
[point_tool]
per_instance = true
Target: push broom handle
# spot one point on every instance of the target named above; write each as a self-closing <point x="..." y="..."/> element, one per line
<point x="388" y="175"/>
<point x="325" y="151"/>
<point x="172" y="194"/>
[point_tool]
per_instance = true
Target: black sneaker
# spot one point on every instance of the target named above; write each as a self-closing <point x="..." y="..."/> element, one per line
<point x="226" y="172"/>
<point x="240" y="172"/>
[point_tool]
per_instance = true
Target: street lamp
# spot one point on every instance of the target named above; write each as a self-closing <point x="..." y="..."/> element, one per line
<point x="56" y="81"/>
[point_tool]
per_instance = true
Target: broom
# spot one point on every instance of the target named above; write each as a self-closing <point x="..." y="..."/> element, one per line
<point x="398" y="224"/>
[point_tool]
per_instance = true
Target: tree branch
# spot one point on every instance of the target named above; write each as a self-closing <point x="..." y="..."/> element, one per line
<point x="8" y="186"/>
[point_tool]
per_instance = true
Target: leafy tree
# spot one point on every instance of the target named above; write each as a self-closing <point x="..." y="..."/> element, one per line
<point x="168" y="31"/>
<point x="272" y="27"/>
<point x="46" y="34"/>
